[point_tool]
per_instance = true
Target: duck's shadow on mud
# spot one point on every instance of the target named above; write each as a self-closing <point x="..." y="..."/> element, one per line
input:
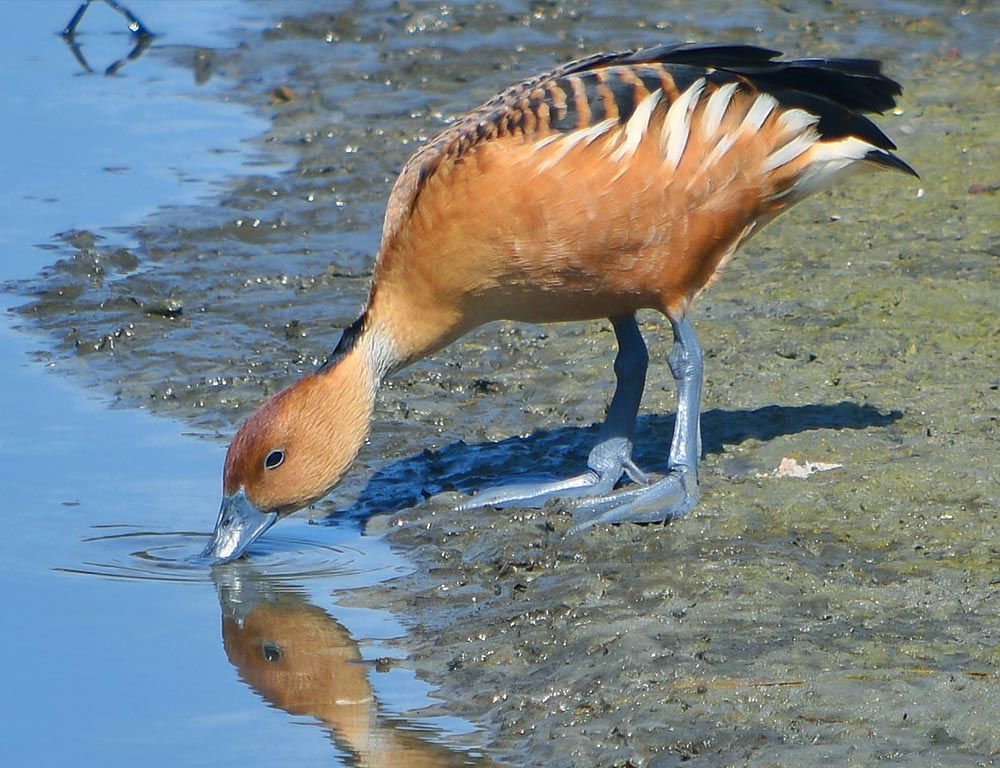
<point x="553" y="453"/>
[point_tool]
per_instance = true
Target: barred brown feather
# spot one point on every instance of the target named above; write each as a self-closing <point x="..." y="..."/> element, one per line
<point x="583" y="93"/>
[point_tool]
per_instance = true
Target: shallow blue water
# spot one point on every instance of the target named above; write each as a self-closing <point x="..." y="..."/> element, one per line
<point x="114" y="637"/>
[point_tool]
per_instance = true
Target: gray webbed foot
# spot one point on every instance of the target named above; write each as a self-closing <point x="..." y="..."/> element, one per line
<point x="677" y="493"/>
<point x="667" y="499"/>
<point x="609" y="462"/>
<point x="593" y="494"/>
<point x="611" y="458"/>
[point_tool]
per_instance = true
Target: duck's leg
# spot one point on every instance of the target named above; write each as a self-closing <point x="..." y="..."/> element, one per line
<point x="677" y="493"/>
<point x="612" y="456"/>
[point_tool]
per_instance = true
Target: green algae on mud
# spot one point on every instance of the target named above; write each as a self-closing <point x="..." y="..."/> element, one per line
<point x="846" y="618"/>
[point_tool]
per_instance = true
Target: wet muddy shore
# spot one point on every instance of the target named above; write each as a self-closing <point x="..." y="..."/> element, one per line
<point x="851" y="617"/>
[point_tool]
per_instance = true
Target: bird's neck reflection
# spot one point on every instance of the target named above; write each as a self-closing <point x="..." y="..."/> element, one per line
<point x="299" y="658"/>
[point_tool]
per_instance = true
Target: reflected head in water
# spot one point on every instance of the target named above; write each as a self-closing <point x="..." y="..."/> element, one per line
<point x="301" y="660"/>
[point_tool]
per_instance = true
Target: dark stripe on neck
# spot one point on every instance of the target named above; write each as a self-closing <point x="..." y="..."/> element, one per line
<point x="348" y="340"/>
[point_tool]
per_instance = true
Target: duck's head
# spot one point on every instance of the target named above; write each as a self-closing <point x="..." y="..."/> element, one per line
<point x="290" y="453"/>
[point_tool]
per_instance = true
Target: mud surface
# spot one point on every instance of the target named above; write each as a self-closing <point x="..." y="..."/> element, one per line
<point x="845" y="618"/>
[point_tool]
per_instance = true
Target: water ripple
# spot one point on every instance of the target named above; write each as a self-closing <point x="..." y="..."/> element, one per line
<point x="136" y="554"/>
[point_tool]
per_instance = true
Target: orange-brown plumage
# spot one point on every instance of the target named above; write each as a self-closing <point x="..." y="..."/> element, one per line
<point x="612" y="184"/>
<point x="297" y="658"/>
<point x="331" y="409"/>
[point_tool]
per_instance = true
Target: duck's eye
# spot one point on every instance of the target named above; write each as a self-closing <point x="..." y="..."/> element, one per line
<point x="274" y="459"/>
<point x="272" y="652"/>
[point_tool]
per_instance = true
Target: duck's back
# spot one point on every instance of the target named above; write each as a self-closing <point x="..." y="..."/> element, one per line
<point x="624" y="181"/>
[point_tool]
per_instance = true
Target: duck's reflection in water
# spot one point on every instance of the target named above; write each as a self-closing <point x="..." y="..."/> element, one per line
<point x="299" y="658"/>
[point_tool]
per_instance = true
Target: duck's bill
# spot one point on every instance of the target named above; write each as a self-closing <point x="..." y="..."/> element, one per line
<point x="239" y="525"/>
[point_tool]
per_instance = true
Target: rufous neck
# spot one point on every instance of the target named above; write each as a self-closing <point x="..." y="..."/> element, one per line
<point x="404" y="324"/>
<point x="367" y="350"/>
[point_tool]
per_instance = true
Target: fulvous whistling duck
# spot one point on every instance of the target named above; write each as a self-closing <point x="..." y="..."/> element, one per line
<point x="615" y="183"/>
